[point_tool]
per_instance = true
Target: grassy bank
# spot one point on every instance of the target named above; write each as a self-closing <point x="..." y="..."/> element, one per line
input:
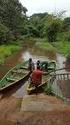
<point x="45" y="45"/>
<point x="7" y="50"/>
<point x="63" y="47"/>
<point x="42" y="44"/>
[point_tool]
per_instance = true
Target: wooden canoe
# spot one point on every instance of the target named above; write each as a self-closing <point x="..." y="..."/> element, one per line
<point x="14" y="76"/>
<point x="32" y="89"/>
<point x="45" y="78"/>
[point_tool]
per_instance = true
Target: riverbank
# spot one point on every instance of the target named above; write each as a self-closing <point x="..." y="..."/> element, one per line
<point x="62" y="47"/>
<point x="40" y="44"/>
<point x="8" y="50"/>
<point x="45" y="45"/>
<point x="12" y="48"/>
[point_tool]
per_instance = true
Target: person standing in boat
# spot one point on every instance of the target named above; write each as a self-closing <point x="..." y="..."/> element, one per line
<point x="43" y="65"/>
<point x="31" y="66"/>
<point x="38" y="64"/>
<point x="36" y="76"/>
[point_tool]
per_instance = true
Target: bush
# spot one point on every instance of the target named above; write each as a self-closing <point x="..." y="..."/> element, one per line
<point x="48" y="89"/>
<point x="52" y="31"/>
<point x="7" y="50"/>
<point x="5" y="34"/>
<point x="67" y="36"/>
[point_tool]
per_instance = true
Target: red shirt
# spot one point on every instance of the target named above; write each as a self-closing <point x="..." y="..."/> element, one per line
<point x="37" y="77"/>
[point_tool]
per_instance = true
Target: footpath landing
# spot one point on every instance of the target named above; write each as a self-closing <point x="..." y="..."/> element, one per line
<point x="42" y="103"/>
<point x="34" y="110"/>
<point x="44" y="110"/>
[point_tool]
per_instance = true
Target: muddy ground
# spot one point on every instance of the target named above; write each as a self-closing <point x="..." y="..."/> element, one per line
<point x="13" y="113"/>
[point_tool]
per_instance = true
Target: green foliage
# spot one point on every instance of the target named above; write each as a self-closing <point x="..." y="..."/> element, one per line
<point x="14" y="24"/>
<point x="12" y="16"/>
<point x="7" y="50"/>
<point x="66" y="24"/>
<point x="48" y="89"/>
<point x="67" y="35"/>
<point x="5" y="34"/>
<point x="63" y="47"/>
<point x="33" y="31"/>
<point x="44" y="44"/>
<point x="37" y="21"/>
<point x="52" y="32"/>
<point x="46" y="24"/>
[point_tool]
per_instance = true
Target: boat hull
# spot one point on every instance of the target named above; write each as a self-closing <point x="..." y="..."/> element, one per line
<point x="18" y="83"/>
<point x="15" y="76"/>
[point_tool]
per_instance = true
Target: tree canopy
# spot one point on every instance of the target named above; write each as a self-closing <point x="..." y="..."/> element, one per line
<point x="14" y="22"/>
<point x="12" y="15"/>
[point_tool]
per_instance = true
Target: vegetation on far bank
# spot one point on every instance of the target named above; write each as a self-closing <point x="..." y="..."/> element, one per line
<point x="45" y="45"/>
<point x="7" y="50"/>
<point x="16" y="26"/>
<point x="63" y="47"/>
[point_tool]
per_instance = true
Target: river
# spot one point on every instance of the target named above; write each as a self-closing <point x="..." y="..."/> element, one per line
<point x="35" y="54"/>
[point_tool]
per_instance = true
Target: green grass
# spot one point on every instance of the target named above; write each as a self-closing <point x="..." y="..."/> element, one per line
<point x="63" y="47"/>
<point x="7" y="50"/>
<point x="48" y="89"/>
<point x="43" y="44"/>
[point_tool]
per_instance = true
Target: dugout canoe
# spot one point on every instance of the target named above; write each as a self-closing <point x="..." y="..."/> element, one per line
<point x="14" y="76"/>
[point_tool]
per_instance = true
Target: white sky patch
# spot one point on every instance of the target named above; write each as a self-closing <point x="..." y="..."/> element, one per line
<point x="40" y="6"/>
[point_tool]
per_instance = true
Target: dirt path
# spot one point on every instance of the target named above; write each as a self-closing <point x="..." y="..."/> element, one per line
<point x="52" y="111"/>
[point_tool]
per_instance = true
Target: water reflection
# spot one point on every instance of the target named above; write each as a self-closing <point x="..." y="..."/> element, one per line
<point x="26" y="55"/>
<point x="60" y="61"/>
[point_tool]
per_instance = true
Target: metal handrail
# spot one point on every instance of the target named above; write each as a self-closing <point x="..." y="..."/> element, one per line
<point x="55" y="87"/>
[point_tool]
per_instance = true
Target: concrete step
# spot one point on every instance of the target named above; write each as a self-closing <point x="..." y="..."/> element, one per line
<point x="41" y="103"/>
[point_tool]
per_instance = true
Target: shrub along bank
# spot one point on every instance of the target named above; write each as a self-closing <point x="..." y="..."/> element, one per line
<point x="45" y="45"/>
<point x="7" y="50"/>
<point x="63" y="47"/>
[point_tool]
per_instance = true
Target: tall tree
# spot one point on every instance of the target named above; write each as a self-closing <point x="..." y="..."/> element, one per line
<point x="66" y="23"/>
<point x="52" y="32"/>
<point x="11" y="14"/>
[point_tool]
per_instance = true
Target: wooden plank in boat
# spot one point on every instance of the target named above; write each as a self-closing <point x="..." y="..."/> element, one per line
<point x="11" y="79"/>
<point x="18" y="71"/>
<point x="13" y="83"/>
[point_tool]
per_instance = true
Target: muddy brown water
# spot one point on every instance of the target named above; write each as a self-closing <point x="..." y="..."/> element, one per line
<point x="35" y="54"/>
<point x="65" y="87"/>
